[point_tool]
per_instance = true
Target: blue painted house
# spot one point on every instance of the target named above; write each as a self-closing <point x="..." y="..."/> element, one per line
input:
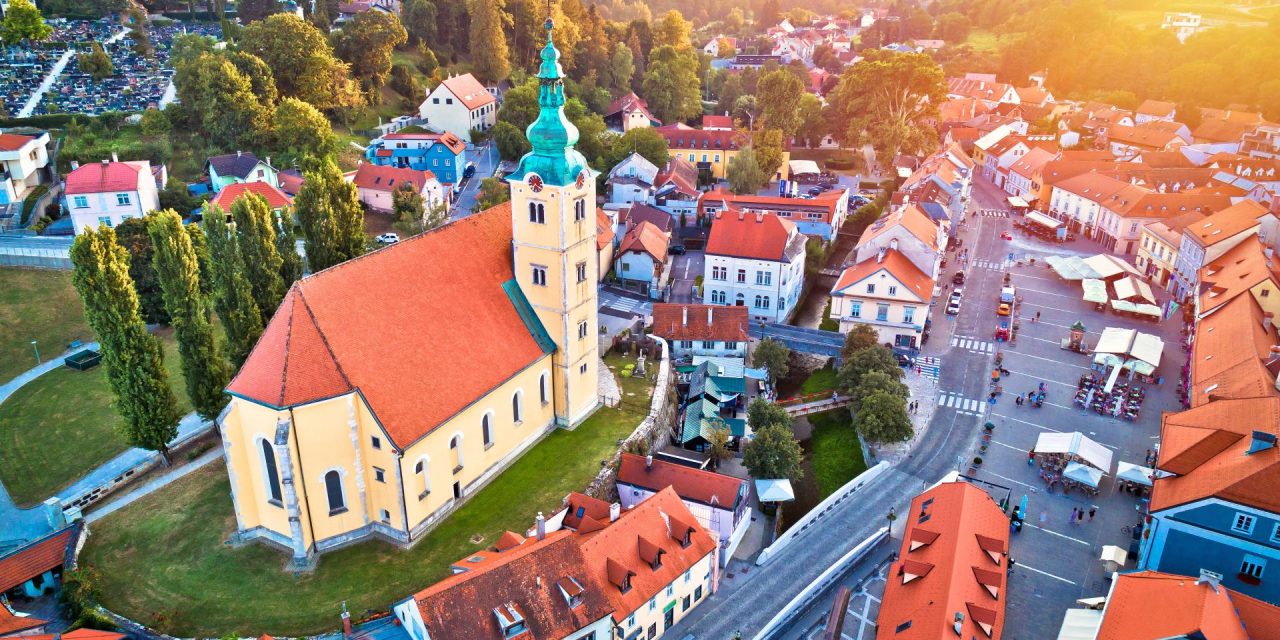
<point x="443" y="154"/>
<point x="1220" y="512"/>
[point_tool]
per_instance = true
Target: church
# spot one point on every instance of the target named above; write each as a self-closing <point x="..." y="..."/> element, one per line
<point x="388" y="389"/>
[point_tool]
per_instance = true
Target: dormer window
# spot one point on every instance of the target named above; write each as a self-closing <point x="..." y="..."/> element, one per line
<point x="572" y="591"/>
<point x="510" y="620"/>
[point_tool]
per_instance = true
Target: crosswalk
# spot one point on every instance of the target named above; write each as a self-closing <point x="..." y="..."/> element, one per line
<point x="930" y="366"/>
<point x="993" y="213"/>
<point x="961" y="404"/>
<point x="987" y="264"/>
<point x="973" y="344"/>
<point x="624" y="304"/>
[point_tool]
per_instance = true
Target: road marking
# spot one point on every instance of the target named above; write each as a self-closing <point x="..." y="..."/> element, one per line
<point x="1027" y="275"/>
<point x="1050" y="293"/>
<point x="1045" y="573"/>
<point x="1045" y="306"/>
<point x="1060" y="535"/>
<point x="1057" y="362"/>
<point x="1072" y="386"/>
<point x="1038" y="426"/>
<point x="1006" y="479"/>
<point x="1007" y="446"/>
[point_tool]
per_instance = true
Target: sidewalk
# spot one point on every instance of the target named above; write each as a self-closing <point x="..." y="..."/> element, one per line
<point x="7" y="389"/>
<point x="155" y="484"/>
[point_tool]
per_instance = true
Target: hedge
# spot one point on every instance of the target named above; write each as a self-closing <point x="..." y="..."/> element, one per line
<point x="841" y="162"/>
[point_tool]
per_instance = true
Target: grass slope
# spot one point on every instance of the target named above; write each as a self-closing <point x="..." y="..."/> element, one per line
<point x="162" y="560"/>
<point x="41" y="305"/>
<point x="837" y="456"/>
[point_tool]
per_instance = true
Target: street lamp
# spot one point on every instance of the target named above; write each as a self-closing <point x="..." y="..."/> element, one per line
<point x="893" y="515"/>
<point x="37" y="349"/>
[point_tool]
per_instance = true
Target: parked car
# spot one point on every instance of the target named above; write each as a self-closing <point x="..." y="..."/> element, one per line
<point x="469" y="170"/>
<point x="1003" y="310"/>
<point x="676" y="249"/>
<point x="958" y="278"/>
<point x="953" y="307"/>
<point x="388" y="238"/>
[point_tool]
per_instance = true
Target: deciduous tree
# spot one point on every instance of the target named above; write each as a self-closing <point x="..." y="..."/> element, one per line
<point x="744" y="172"/>
<point x="419" y="18"/>
<point x="773" y="454"/>
<point x="132" y="236"/>
<point x="204" y="370"/>
<point x="772" y="355"/>
<point x="23" y="23"/>
<point x="492" y="193"/>
<point x="512" y="143"/>
<point x="95" y="62"/>
<point x="302" y="62"/>
<point x="366" y="43"/>
<point x="778" y="94"/>
<point x="671" y="84"/>
<point x="132" y="357"/>
<point x="767" y="144"/>
<point x="621" y="69"/>
<point x="255" y="232"/>
<point x="332" y="218"/>
<point x="762" y="413"/>
<point x="287" y="247"/>
<point x="301" y="129"/>
<point x="873" y="382"/>
<point x="489" y="55"/>
<point x="645" y="141"/>
<point x="860" y="337"/>
<point x="890" y="100"/>
<point x="874" y="358"/>
<point x="883" y="418"/>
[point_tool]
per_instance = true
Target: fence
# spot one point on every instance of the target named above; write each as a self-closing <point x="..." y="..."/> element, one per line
<point x="56" y="256"/>
<point x="818" y="512"/>
<point x="831" y="575"/>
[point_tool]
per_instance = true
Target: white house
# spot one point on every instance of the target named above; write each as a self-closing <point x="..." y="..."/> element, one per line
<point x="24" y="164"/>
<point x="377" y="185"/>
<point x="632" y="181"/>
<point x="910" y="231"/>
<point x="641" y="261"/>
<point x="754" y="260"/>
<point x="721" y="503"/>
<point x="886" y="292"/>
<point x="110" y="192"/>
<point x="702" y="329"/>
<point x="459" y="105"/>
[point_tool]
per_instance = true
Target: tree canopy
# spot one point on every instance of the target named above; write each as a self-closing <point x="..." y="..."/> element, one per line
<point x="23" y="23"/>
<point x="302" y="62"/>
<point x="366" y="43"/>
<point x="773" y="454"/>
<point x="890" y="100"/>
<point x="772" y="355"/>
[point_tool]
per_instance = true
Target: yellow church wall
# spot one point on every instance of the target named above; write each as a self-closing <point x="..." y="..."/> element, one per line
<point x="243" y="426"/>
<point x="508" y="437"/>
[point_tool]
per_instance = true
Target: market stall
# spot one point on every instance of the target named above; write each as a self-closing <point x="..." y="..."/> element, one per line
<point x="1133" y="290"/>
<point x="1095" y="291"/>
<point x="1044" y="221"/>
<point x="1138" y="309"/>
<point x="1083" y="474"/>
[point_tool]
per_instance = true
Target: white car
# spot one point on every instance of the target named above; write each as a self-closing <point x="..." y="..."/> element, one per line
<point x="953" y="306"/>
<point x="388" y="238"/>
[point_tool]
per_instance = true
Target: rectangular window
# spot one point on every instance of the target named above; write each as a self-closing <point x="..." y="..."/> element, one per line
<point x="104" y="220"/>
<point x="379" y="475"/>
<point x="448" y="100"/>
<point x="386" y="517"/>
<point x="742" y="276"/>
<point x="539" y="276"/>
<point x="1243" y="523"/>
<point x="893" y="291"/>
<point x="908" y="314"/>
<point x="686" y="344"/>
<point x="435" y="101"/>
<point x="708" y="344"/>
<point x="583" y="369"/>
<point x="122" y="199"/>
<point x="80" y="202"/>
<point x="882" y="312"/>
<point x="764" y="278"/>
<point x="855" y="309"/>
<point x="697" y="593"/>
<point x="730" y="345"/>
<point x="653" y="604"/>
<point x="719" y="273"/>
<point x="1253" y="566"/>
<point x="582" y="330"/>
<point x="376" y="441"/>
<point x="871" y="288"/>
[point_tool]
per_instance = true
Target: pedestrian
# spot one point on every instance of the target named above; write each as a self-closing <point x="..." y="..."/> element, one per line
<point x="1037" y="316"/>
<point x="1018" y="401"/>
<point x="1072" y="519"/>
<point x="917" y="369"/>
<point x="1031" y="457"/>
<point x="1092" y="510"/>
<point x="1080" y="516"/>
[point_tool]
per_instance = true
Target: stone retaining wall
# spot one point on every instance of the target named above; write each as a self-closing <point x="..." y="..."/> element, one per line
<point x="651" y="431"/>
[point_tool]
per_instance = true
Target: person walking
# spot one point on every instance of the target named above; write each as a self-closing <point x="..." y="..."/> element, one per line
<point x="1080" y="516"/>
<point x="1092" y="510"/>
<point x="1074" y="512"/>
<point x="1037" y="317"/>
<point x="1031" y="457"/>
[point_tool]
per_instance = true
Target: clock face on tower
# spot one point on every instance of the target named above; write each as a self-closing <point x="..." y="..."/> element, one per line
<point x="535" y="182"/>
<point x="582" y="179"/>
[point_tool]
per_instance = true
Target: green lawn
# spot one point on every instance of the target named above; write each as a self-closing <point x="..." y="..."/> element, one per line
<point x="40" y="305"/>
<point x="162" y="560"/>
<point x="62" y="424"/>
<point x="819" y="381"/>
<point x="982" y="40"/>
<point x="837" y="457"/>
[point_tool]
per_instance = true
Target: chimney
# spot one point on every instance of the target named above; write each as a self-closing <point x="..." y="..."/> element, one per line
<point x="710" y="311"/>
<point x="105" y="162"/>
<point x="1210" y="578"/>
<point x="880" y="255"/>
<point x="542" y="526"/>
<point x="239" y="153"/>
<point x="759" y="216"/>
<point x="268" y="161"/>
<point x="74" y="165"/>
<point x="684" y="316"/>
<point x="648" y="462"/>
<point x="114" y="157"/>
<point x="615" y="510"/>
<point x="893" y="244"/>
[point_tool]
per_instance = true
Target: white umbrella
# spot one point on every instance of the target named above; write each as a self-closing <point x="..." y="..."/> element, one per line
<point x="1083" y="474"/>
<point x="1114" y="556"/>
<point x="1134" y="473"/>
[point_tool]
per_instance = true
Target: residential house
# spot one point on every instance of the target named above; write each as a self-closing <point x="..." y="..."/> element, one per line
<point x="820" y="216"/>
<point x="711" y="150"/>
<point x="641" y="261"/>
<point x="377" y="185"/>
<point x="24" y="164"/>
<point x="1150" y="604"/>
<point x="443" y="154"/>
<point x="1158" y="249"/>
<point x="944" y="178"/>
<point x="676" y="189"/>
<point x="715" y="45"/>
<point x="715" y="399"/>
<point x="1263" y="142"/>
<point x="276" y="199"/>
<point x="1123" y="215"/>
<point x="754" y="261"/>
<point x="1183" y="24"/>
<point x="656" y="562"/>
<point x="990" y="93"/>
<point x="702" y="329"/>
<point x="629" y="112"/>
<point x="632" y="181"/>
<point x="290" y="181"/>
<point x="1246" y="268"/>
<point x="1206" y="241"/>
<point x="754" y="61"/>
<point x="1022" y="176"/>
<point x="951" y="572"/>
<point x="1177" y="128"/>
<point x="1264" y="171"/>
<point x="630" y="217"/>
<point x="886" y="292"/>
<point x="907" y="230"/>
<point x="1223" y="130"/>
<point x="238" y="167"/>
<point x="1095" y="119"/>
<point x="522" y="587"/>
<point x="109" y="192"/>
<point x="460" y="105"/>
<point x="604" y="245"/>
<point x="1078" y="200"/>
<point x="1034" y="96"/>
<point x="1129" y="142"/>
<point x="713" y="122"/>
<point x="722" y="504"/>
<point x="328" y="441"/>
<point x="34" y="568"/>
<point x="1155" y="110"/>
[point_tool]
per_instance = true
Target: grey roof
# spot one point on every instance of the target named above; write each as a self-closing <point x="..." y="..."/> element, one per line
<point x="637" y="213"/>
<point x="239" y="165"/>
<point x="795" y="246"/>
<point x="935" y="210"/>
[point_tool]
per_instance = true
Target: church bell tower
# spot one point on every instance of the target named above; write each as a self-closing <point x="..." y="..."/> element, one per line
<point x="553" y="217"/>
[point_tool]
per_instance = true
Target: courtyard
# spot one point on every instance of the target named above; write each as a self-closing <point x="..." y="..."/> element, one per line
<point x="163" y="562"/>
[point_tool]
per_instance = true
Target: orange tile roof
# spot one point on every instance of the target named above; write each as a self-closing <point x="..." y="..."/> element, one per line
<point x="614" y="551"/>
<point x="645" y="237"/>
<point x="102" y="177"/>
<point x="898" y="266"/>
<point x="1142" y="136"/>
<point x="1220" y="433"/>
<point x="469" y="91"/>
<point x="911" y="218"/>
<point x="80" y="634"/>
<point x="1213" y="130"/>
<point x="1092" y="186"/>
<point x="1227" y="222"/>
<point x="697" y="485"/>
<point x="1156" y="108"/>
<point x="826" y="202"/>
<point x="759" y="236"/>
<point x="1031" y="163"/>
<point x="12" y="624"/>
<point x="535" y="577"/>
<point x="1227" y="356"/>
<point x="276" y="199"/>
<point x="581" y="509"/>
<point x="441" y="314"/>
<point x="1237" y="271"/>
<point x="13" y="141"/>
<point x="35" y="558"/>
<point x="1139" y="202"/>
<point x="961" y="569"/>
<point x="385" y="177"/>
<point x="704" y="322"/>
<point x="686" y="138"/>
<point x="604" y="230"/>
<point x="1147" y="605"/>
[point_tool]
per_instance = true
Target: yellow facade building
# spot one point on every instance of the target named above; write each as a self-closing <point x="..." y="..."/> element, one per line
<point x="388" y="389"/>
<point x="710" y="150"/>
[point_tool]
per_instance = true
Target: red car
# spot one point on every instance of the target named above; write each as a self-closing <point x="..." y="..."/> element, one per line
<point x="1005" y="235"/>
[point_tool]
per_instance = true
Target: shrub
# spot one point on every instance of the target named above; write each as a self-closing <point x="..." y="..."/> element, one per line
<point x="29" y="203"/>
<point x="841" y="161"/>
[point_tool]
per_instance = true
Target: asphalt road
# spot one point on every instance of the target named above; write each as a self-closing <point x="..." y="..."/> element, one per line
<point x="685" y="269"/>
<point x="486" y="159"/>
<point x="1056" y="561"/>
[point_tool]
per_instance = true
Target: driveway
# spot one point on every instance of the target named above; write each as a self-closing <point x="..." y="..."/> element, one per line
<point x="486" y="159"/>
<point x="685" y="269"/>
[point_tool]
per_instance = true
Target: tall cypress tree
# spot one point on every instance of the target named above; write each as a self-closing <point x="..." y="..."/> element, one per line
<point x="255" y="234"/>
<point x="287" y="247"/>
<point x="233" y="295"/>
<point x="132" y="357"/>
<point x="177" y="267"/>
<point x="331" y="216"/>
